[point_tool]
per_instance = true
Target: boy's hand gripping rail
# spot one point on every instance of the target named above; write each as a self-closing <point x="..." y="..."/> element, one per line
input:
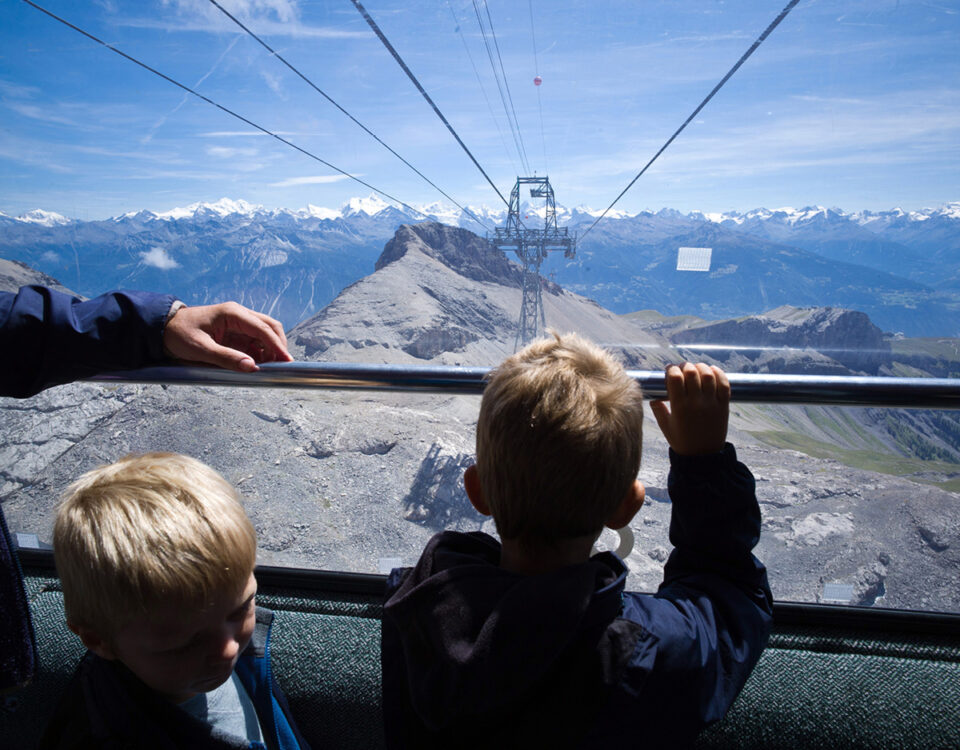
<point x="925" y="393"/>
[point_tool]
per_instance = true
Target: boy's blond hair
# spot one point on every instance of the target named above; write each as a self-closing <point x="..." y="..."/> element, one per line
<point x="156" y="528"/>
<point x="558" y="440"/>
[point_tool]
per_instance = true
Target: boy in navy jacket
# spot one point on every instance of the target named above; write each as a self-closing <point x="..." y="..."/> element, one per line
<point x="156" y="556"/>
<point x="531" y="642"/>
<point x="51" y="338"/>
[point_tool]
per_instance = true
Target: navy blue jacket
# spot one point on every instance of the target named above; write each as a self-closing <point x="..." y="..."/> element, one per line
<point x="477" y="656"/>
<point x="49" y="338"/>
<point x="106" y="706"/>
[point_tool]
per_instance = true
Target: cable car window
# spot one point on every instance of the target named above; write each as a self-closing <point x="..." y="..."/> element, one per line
<point x="772" y="189"/>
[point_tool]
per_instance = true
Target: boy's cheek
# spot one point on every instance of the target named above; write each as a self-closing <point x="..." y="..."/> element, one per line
<point x="162" y="674"/>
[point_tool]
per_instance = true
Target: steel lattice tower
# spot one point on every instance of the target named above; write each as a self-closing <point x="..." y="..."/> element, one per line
<point x="532" y="246"/>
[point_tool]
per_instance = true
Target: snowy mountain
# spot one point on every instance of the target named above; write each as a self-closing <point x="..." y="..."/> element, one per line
<point x="902" y="268"/>
<point x="41" y="217"/>
<point x="922" y="245"/>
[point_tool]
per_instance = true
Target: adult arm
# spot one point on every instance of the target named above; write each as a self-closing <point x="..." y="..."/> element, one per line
<point x="52" y="338"/>
<point x="227" y="335"/>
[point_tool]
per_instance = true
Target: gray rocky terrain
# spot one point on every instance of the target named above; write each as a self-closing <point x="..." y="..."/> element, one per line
<point x="354" y="481"/>
<point x="14" y="274"/>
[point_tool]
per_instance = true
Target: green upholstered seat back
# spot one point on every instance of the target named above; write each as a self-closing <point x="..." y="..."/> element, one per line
<point x="815" y="687"/>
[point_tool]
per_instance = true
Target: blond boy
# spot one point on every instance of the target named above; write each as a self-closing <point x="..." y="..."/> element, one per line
<point x="156" y="555"/>
<point x="530" y="641"/>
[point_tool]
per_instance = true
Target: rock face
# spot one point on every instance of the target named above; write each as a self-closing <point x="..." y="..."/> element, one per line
<point x="14" y="274"/>
<point x="441" y="294"/>
<point x="461" y="251"/>
<point x="844" y="337"/>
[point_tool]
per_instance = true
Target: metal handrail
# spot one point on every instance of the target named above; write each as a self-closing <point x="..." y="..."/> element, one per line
<point x="925" y="393"/>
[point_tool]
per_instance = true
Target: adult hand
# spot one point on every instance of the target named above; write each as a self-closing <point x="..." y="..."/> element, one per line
<point x="695" y="423"/>
<point x="227" y="335"/>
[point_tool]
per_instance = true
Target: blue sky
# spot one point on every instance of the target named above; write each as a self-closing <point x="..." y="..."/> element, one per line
<point x="851" y="104"/>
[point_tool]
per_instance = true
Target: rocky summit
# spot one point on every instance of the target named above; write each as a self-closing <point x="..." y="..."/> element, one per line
<point x="441" y="294"/>
<point x="788" y="339"/>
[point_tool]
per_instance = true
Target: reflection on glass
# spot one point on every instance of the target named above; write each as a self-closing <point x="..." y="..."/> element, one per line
<point x="805" y="222"/>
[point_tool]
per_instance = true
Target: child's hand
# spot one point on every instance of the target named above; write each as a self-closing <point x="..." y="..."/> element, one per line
<point x="695" y="423"/>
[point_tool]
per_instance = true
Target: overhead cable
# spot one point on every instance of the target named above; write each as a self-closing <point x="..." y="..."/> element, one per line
<point x="524" y="169"/>
<point x="329" y="99"/>
<point x="776" y="22"/>
<point x="498" y="76"/>
<point x="483" y="89"/>
<point x="536" y="72"/>
<point x="506" y="83"/>
<point x="223" y="109"/>
<point x="413" y="78"/>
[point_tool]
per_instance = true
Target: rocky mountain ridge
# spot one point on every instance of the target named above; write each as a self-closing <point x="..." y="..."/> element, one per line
<point x="460" y="304"/>
<point x="816" y="341"/>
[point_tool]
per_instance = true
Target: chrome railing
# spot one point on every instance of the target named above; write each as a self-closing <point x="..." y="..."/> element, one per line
<point x="926" y="393"/>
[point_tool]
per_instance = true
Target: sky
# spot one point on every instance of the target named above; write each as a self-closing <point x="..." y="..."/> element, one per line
<point x="851" y="104"/>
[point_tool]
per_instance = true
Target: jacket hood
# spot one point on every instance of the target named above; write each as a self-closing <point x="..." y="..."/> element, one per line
<point x="497" y="633"/>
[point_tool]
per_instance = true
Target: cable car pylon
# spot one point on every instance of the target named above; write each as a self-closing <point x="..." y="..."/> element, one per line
<point x="532" y="246"/>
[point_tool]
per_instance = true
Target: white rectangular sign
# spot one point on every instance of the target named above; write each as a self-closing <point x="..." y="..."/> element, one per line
<point x="694" y="258"/>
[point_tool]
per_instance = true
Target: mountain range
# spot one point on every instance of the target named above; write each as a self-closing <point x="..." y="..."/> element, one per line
<point x="900" y="268"/>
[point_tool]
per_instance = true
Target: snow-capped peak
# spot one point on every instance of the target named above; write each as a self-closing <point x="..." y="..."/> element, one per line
<point x="595" y="212"/>
<point x="222" y="207"/>
<point x="949" y="210"/>
<point x="319" y="212"/>
<point x="444" y="212"/>
<point x="44" y="218"/>
<point x="371" y="205"/>
<point x="716" y="218"/>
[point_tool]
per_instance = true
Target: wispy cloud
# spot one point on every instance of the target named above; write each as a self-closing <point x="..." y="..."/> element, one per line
<point x="263" y="28"/>
<point x="41" y="113"/>
<point x="158" y="257"/>
<point x="20" y="151"/>
<point x="226" y="152"/>
<point x="275" y="18"/>
<point x="178" y="175"/>
<point x="7" y="88"/>
<point x="273" y="81"/>
<point x="316" y="180"/>
<point x="249" y="133"/>
<point x="283" y="10"/>
<point x="803" y="132"/>
<point x="153" y="154"/>
<point x="186" y="97"/>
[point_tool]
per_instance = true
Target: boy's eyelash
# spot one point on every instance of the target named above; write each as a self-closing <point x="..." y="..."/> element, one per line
<point x="242" y="610"/>
<point x="237" y="614"/>
<point x="181" y="648"/>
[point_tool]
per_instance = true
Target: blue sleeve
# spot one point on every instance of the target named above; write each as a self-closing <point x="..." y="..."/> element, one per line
<point x="49" y="338"/>
<point x="706" y="627"/>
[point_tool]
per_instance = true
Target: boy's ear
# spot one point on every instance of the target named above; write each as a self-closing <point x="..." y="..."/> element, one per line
<point x="471" y="482"/>
<point x="93" y="641"/>
<point x="631" y="503"/>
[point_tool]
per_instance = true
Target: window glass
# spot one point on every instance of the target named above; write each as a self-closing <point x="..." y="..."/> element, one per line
<point x="804" y="221"/>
